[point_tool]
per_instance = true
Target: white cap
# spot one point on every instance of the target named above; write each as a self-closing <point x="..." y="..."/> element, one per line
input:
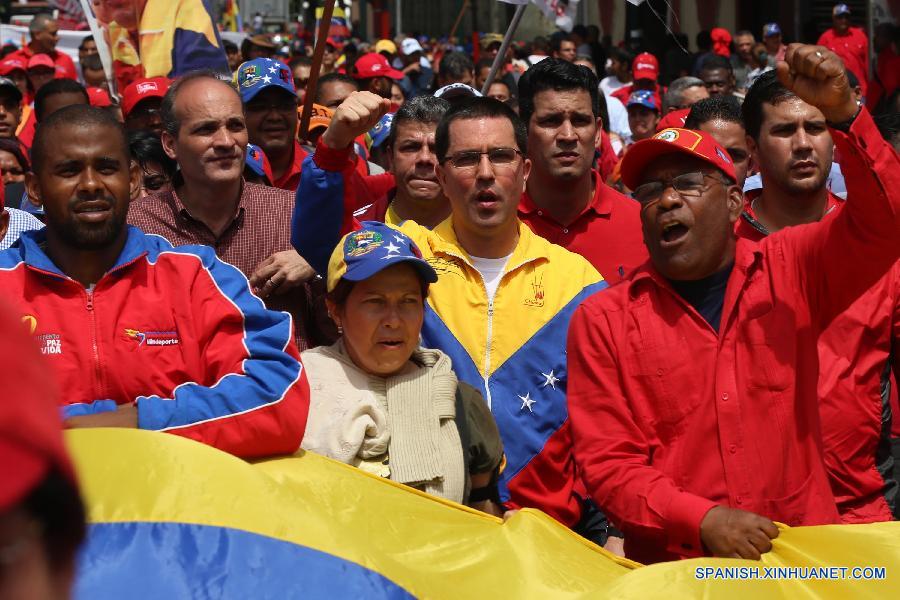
<point x="457" y="90"/>
<point x="410" y="45"/>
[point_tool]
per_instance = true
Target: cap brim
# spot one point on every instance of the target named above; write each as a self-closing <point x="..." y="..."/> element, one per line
<point x="645" y="75"/>
<point x="641" y="154"/>
<point x="251" y="93"/>
<point x="366" y="269"/>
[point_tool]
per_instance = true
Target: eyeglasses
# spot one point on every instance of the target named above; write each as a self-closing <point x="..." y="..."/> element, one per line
<point x="498" y="157"/>
<point x="280" y="106"/>
<point x="687" y="185"/>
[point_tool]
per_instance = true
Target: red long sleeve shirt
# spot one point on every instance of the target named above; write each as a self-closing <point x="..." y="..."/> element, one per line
<point x="855" y="356"/>
<point x="670" y="419"/>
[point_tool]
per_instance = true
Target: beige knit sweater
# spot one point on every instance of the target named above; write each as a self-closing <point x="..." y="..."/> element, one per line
<point x="355" y="416"/>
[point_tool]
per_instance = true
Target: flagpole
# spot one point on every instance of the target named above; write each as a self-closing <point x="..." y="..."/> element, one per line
<point x="501" y="55"/>
<point x="318" y="54"/>
<point x="102" y="47"/>
<point x="462" y="11"/>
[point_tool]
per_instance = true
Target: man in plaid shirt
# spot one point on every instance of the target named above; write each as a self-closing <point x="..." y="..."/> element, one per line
<point x="247" y="225"/>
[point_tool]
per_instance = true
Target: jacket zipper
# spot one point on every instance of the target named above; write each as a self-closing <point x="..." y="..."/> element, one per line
<point x="487" y="348"/>
<point x="95" y="346"/>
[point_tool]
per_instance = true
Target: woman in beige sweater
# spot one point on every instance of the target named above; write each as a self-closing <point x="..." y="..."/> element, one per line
<point x="381" y="402"/>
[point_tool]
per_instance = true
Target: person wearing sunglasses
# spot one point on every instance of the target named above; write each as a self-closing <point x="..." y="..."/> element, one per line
<point x="693" y="383"/>
<point x="501" y="306"/>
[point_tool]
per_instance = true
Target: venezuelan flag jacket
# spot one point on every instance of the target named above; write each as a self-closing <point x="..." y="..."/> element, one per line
<point x="511" y="348"/>
<point x="174" y="330"/>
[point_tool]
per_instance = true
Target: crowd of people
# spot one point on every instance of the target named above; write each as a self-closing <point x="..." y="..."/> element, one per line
<point x="657" y="298"/>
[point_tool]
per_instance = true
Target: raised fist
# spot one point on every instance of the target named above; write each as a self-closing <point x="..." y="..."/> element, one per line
<point x="355" y="116"/>
<point x="817" y="76"/>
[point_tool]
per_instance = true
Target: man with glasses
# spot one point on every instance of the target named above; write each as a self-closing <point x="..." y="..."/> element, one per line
<point x="695" y="414"/>
<point x="140" y="104"/>
<point x="504" y="296"/>
<point x="270" y="103"/>
<point x="247" y="225"/>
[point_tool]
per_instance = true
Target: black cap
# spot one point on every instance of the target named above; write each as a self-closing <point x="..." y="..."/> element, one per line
<point x="6" y="83"/>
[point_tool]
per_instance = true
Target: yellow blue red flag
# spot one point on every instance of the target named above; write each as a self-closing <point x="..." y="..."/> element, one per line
<point x="172" y="518"/>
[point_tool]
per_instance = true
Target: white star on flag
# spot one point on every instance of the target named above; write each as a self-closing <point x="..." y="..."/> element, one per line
<point x="527" y="402"/>
<point x="267" y="79"/>
<point x="398" y="239"/>
<point x="272" y="69"/>
<point x="550" y="379"/>
<point x="392" y="248"/>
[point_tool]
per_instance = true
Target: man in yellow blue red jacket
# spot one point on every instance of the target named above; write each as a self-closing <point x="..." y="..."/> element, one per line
<point x="504" y="296"/>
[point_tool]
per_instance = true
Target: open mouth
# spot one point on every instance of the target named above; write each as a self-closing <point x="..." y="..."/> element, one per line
<point x="486" y="199"/>
<point x="93" y="210"/>
<point x="673" y="233"/>
<point x="391" y="344"/>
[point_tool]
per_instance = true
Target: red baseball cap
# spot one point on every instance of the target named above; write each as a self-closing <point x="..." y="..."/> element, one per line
<point x="374" y="65"/>
<point x="12" y="63"/>
<point x="141" y="89"/>
<point x="31" y="441"/>
<point x="676" y="118"/>
<point x="645" y="66"/>
<point x="41" y="60"/>
<point x="671" y="141"/>
<point x="98" y="97"/>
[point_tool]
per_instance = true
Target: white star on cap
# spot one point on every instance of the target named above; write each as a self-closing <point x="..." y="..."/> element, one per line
<point x="273" y="70"/>
<point x="550" y="379"/>
<point x="267" y="79"/>
<point x="527" y="402"/>
<point x="392" y="248"/>
<point x="399" y="239"/>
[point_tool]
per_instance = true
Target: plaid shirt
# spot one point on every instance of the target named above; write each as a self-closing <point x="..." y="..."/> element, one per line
<point x="260" y="228"/>
<point x="19" y="222"/>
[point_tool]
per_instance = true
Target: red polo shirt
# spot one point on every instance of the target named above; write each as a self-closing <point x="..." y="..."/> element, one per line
<point x="291" y="178"/>
<point x="65" y="66"/>
<point x="853" y="49"/>
<point x="607" y="233"/>
<point x="856" y="352"/>
<point x="670" y="419"/>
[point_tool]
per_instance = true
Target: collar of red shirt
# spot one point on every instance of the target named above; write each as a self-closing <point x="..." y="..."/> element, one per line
<point x="298" y="155"/>
<point x="747" y="254"/>
<point x="750" y="217"/>
<point x="601" y="203"/>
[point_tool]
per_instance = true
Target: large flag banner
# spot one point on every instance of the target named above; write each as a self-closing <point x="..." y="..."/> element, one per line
<point x="172" y="518"/>
<point x="152" y="38"/>
<point x="231" y="16"/>
<point x="561" y="12"/>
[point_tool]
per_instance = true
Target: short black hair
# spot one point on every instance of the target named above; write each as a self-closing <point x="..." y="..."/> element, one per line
<point x="145" y="148"/>
<point x="455" y="65"/>
<point x="478" y="108"/>
<point x="13" y="146"/>
<point x="622" y="55"/>
<point x="300" y="59"/>
<point x="421" y="109"/>
<point x="716" y="62"/>
<point x="54" y="88"/>
<point x="330" y="77"/>
<point x="170" y="121"/>
<point x="81" y="115"/>
<point x="765" y="90"/>
<point x="557" y="39"/>
<point x="541" y="44"/>
<point x="229" y="47"/>
<point x="55" y="504"/>
<point x="722" y="107"/>
<point x="85" y="40"/>
<point x="852" y="79"/>
<point x="557" y="75"/>
<point x="482" y="63"/>
<point x="92" y="62"/>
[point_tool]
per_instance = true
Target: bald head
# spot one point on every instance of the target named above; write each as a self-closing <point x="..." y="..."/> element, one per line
<point x="197" y="80"/>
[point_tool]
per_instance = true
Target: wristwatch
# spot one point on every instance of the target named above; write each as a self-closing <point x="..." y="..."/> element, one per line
<point x="845" y="125"/>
